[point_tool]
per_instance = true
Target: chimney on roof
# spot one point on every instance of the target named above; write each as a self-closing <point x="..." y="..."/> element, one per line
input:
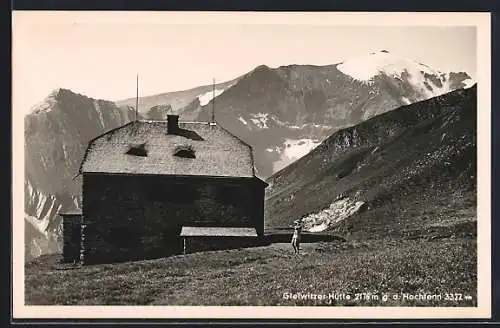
<point x="172" y="123"/>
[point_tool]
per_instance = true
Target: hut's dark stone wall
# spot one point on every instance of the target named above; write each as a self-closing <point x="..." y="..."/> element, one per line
<point x="71" y="237"/>
<point x="194" y="244"/>
<point x="140" y="216"/>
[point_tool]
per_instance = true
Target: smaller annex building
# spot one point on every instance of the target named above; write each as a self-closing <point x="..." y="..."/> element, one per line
<point x="157" y="188"/>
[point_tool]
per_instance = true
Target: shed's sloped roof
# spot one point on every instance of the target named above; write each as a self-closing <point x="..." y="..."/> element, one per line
<point x="217" y="152"/>
<point x="218" y="231"/>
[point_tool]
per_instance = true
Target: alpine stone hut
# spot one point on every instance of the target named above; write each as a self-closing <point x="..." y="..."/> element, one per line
<point x="156" y="188"/>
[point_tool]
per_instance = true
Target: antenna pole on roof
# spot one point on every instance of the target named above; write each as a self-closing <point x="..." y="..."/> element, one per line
<point x="213" y="101"/>
<point x="137" y="98"/>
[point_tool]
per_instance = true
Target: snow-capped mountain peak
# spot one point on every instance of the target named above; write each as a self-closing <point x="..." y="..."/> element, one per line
<point x="423" y="79"/>
<point x="365" y="67"/>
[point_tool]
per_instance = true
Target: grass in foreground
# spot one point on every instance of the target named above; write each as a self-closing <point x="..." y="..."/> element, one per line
<point x="261" y="276"/>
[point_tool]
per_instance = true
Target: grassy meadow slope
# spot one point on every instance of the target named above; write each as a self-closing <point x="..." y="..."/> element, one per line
<point x="261" y="275"/>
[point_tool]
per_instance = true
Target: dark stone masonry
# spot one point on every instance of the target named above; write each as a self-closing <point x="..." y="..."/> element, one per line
<point x="208" y="243"/>
<point x="71" y="236"/>
<point x="130" y="217"/>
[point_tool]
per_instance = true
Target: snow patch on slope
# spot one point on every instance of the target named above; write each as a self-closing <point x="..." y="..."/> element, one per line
<point x="99" y="112"/>
<point x="65" y="151"/>
<point x="260" y="120"/>
<point x="307" y="125"/>
<point x="206" y="97"/>
<point x="406" y="100"/>
<point x="75" y="203"/>
<point x="468" y="83"/>
<point x="39" y="225"/>
<point x="43" y="209"/>
<point x="292" y="150"/>
<point x="298" y="148"/>
<point x="40" y="204"/>
<point x="39" y="244"/>
<point x="336" y="212"/>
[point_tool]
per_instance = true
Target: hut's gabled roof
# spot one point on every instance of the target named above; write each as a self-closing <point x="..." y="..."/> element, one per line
<point x="146" y="147"/>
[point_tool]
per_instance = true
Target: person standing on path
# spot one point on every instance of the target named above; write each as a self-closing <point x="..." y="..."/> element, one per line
<point x="297" y="230"/>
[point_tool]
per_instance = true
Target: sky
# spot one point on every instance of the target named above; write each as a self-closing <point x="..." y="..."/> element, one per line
<point x="100" y="56"/>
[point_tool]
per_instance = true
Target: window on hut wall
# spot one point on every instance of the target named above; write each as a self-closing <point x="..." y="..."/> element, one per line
<point x="184" y="151"/>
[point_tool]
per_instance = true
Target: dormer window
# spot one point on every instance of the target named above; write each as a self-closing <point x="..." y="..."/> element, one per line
<point x="137" y="150"/>
<point x="184" y="151"/>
